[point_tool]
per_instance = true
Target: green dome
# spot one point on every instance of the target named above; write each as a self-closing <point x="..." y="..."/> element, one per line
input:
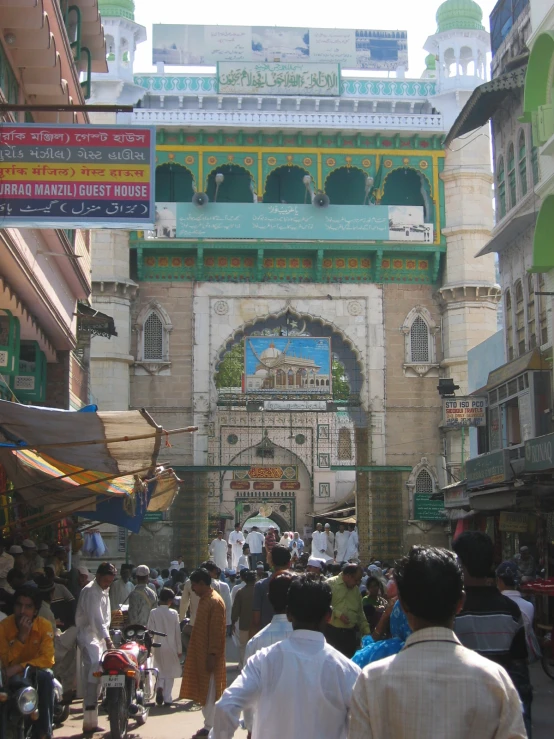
<point x="455" y="15"/>
<point x="431" y="62"/>
<point x="117" y="9"/>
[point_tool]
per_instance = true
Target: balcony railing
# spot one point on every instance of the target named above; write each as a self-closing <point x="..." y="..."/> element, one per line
<point x="288" y="119"/>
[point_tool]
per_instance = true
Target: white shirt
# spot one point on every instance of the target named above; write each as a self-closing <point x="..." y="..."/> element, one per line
<point x="255" y="541"/>
<point x="218" y="550"/>
<point x="400" y="696"/>
<point x="527" y="609"/>
<point x="319" y="545"/>
<point x="280" y="628"/>
<point x="341" y="543"/>
<point x="301" y="686"/>
<point x="352" y="546"/>
<point x="166" y="657"/>
<point x="330" y="537"/>
<point x="223" y="589"/>
<point x="93" y="616"/>
<point x="119" y="593"/>
<point x="236" y="540"/>
<point x="243" y="562"/>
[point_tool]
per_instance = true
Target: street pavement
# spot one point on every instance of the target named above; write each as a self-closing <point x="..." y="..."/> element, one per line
<point x="183" y="719"/>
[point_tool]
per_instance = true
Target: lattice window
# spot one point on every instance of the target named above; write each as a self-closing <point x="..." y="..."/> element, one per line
<point x="419" y="341"/>
<point x="153" y="337"/>
<point x="345" y="444"/>
<point x="424" y="483"/>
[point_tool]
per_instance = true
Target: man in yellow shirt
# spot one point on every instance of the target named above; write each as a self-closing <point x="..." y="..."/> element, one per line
<point x="348" y="613"/>
<point x="26" y="639"/>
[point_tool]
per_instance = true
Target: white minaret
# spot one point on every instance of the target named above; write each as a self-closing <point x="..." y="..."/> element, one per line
<point x="122" y="36"/>
<point x="469" y="294"/>
<point x="112" y="288"/>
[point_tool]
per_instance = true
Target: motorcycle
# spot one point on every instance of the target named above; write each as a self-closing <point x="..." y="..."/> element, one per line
<point x="129" y="679"/>
<point x="18" y="705"/>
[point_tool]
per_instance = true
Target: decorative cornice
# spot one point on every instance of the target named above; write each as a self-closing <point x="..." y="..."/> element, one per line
<point x="289" y="119"/>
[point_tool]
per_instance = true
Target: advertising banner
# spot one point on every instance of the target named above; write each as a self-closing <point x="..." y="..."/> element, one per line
<point x="514" y="523"/>
<point x="468" y="411"/>
<point x="282" y="221"/>
<point x="197" y="45"/>
<point x="539" y="453"/>
<point x="77" y="176"/>
<point x="280" y="365"/>
<point x="489" y="469"/>
<point x="278" y="78"/>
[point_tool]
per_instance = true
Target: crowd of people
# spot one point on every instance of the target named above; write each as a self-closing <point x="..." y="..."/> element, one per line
<point x="327" y="647"/>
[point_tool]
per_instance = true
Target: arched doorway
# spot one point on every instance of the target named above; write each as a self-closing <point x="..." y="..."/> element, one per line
<point x="237" y="185"/>
<point x="278" y="487"/>
<point x="346" y="186"/>
<point x="286" y="185"/>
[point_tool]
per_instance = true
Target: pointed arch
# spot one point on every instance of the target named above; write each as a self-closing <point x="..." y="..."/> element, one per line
<point x="419" y="329"/>
<point x="346" y="186"/>
<point x="423" y="480"/>
<point x="285" y="185"/>
<point x="238" y="185"/>
<point x="153" y="326"/>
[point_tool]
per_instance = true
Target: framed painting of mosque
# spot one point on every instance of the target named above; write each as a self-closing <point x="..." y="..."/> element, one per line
<point x="299" y="365"/>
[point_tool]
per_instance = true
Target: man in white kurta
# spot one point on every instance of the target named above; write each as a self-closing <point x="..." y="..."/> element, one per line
<point x="166" y="658"/>
<point x="255" y="541"/>
<point x="341" y="542"/>
<point x="319" y="544"/>
<point x="121" y="588"/>
<point x="352" y="545"/>
<point x="92" y="620"/>
<point x="218" y="551"/>
<point x="330" y="541"/>
<point x="237" y="541"/>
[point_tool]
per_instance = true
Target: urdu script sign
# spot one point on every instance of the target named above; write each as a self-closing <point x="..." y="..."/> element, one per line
<point x="76" y="176"/>
<point x="266" y="78"/>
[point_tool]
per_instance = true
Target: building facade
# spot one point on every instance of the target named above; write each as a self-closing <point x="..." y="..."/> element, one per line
<point x="48" y="50"/>
<point x="310" y="276"/>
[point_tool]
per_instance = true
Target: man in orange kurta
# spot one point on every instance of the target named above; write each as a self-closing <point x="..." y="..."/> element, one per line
<point x="204" y="675"/>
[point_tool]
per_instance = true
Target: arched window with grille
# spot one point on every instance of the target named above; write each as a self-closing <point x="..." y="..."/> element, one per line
<point x="419" y="330"/>
<point x="522" y="164"/>
<point x="512" y="176"/>
<point x="153" y="337"/>
<point x="345" y="444"/>
<point x="531" y="317"/>
<point x="509" y="325"/>
<point x="424" y="483"/>
<point x="520" y="319"/>
<point x="419" y="341"/>
<point x="153" y="328"/>
<point x="501" y="189"/>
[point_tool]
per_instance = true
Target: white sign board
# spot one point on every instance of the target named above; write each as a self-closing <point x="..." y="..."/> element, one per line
<point x="468" y="411"/>
<point x="186" y="45"/>
<point x="278" y="78"/>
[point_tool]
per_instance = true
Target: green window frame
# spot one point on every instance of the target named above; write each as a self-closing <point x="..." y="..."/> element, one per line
<point x="522" y="164"/>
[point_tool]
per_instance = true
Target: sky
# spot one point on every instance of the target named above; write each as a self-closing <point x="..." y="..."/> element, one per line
<point x="418" y="18"/>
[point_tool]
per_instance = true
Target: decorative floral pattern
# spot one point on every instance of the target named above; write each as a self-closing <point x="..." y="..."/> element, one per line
<point x="366" y="263"/>
<point x="307" y="162"/>
<point x="175" y="261"/>
<point x="163" y="262"/>
<point x="150" y="261"/>
<point x="249" y="161"/>
<point x="212" y="161"/>
<point x="366" y="163"/>
<point x="331" y="162"/>
<point x="423" y="164"/>
<point x="272" y="161"/>
<point x="189" y="159"/>
<point x="235" y="262"/>
<point x="397" y="263"/>
<point x="248" y="261"/>
<point x="209" y="261"/>
<point x="222" y="261"/>
<point x="387" y="163"/>
<point x="353" y="263"/>
<point x="423" y="265"/>
<point x="189" y="261"/>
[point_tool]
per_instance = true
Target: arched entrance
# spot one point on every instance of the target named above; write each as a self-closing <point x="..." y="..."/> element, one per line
<point x="278" y="486"/>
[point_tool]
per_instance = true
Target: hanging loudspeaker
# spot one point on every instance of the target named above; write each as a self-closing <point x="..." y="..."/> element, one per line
<point x="200" y="199"/>
<point x="321" y="200"/>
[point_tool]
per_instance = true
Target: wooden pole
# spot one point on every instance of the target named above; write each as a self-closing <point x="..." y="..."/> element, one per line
<point x="56" y="445"/>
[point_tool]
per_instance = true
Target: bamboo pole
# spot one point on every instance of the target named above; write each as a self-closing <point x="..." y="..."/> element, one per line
<point x="56" y="445"/>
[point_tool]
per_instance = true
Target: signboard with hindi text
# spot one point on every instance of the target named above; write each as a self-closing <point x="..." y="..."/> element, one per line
<point x="76" y="176"/>
<point x="468" y="411"/>
<point x="278" y="78"/>
<point x="197" y="45"/>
